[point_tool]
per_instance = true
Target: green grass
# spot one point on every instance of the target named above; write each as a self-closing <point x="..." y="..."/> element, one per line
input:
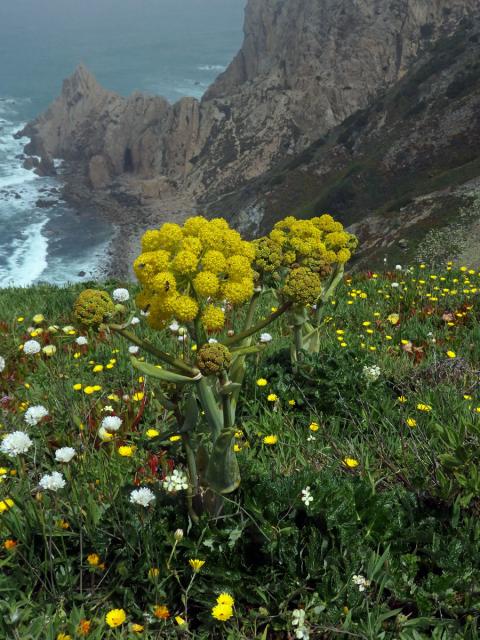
<point x="405" y="517"/>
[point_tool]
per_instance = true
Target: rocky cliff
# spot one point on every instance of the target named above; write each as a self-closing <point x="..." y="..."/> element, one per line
<point x="403" y="173"/>
<point x="305" y="66"/>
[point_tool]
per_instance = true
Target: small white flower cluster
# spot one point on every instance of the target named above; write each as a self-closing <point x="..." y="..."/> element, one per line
<point x="109" y="425"/>
<point x="143" y="496"/>
<point x="64" y="454"/>
<point x="371" y="374"/>
<point x="265" y="337"/>
<point x="307" y="497"/>
<point x="2" y="364"/>
<point x="298" y="621"/>
<point x="15" y="443"/>
<point x="135" y="321"/>
<point x="133" y="349"/>
<point x="52" y="481"/>
<point x="176" y="481"/>
<point x="395" y="285"/>
<point x="34" y="414"/>
<point x="81" y="341"/>
<point x="361" y="582"/>
<point x="121" y="295"/>
<point x="31" y="347"/>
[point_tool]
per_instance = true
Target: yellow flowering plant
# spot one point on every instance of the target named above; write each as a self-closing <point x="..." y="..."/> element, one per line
<point x="305" y="260"/>
<point x="201" y="274"/>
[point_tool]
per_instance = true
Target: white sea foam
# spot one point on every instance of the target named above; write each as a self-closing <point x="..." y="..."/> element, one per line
<point x="28" y="257"/>
<point x="11" y="171"/>
<point x="211" y="67"/>
<point x="92" y="262"/>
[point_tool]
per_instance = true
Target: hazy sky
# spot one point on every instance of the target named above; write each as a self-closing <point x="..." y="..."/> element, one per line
<point x="34" y="14"/>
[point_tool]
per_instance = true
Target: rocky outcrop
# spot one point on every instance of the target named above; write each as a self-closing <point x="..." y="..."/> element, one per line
<point x="305" y="65"/>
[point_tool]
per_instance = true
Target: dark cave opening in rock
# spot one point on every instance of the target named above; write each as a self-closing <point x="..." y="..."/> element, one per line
<point x="128" y="161"/>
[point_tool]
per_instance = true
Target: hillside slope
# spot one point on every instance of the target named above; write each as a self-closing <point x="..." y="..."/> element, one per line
<point x="405" y="165"/>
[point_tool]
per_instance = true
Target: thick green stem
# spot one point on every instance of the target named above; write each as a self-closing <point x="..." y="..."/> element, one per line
<point x="297" y="332"/>
<point x="200" y="335"/>
<point x="192" y="472"/>
<point x="211" y="408"/>
<point x="240" y="362"/>
<point x="329" y="290"/>
<point x="252" y="307"/>
<point x="228" y="418"/>
<point x="260" y="325"/>
<point x="162" y="355"/>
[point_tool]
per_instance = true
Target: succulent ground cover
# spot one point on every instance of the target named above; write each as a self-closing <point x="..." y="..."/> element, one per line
<point x="357" y="511"/>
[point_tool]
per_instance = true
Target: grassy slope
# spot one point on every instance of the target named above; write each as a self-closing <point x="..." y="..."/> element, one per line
<point x="407" y="498"/>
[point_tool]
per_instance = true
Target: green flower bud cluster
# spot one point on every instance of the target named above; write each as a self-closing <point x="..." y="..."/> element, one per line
<point x="92" y="307"/>
<point x="268" y="255"/>
<point x="213" y="358"/>
<point x="302" y="286"/>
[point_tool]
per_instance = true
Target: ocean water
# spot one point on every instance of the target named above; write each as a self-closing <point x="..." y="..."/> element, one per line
<point x="165" y="47"/>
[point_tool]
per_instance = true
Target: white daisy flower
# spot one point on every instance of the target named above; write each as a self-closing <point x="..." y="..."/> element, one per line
<point x="52" y="481"/>
<point x="265" y="337"/>
<point x="142" y="496"/>
<point x="121" y="295"/>
<point x="81" y="341"/>
<point x="31" y="347"/>
<point x="174" y="326"/>
<point x="34" y="414"/>
<point x="15" y="443"/>
<point x="135" y="320"/>
<point x="65" y="454"/>
<point x="133" y="349"/>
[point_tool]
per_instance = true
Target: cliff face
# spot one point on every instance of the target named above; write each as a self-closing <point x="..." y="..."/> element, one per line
<point x="399" y="173"/>
<point x="305" y="66"/>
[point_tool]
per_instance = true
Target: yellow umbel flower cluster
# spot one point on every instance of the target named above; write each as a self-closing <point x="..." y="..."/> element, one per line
<point x="318" y="244"/>
<point x="187" y="272"/>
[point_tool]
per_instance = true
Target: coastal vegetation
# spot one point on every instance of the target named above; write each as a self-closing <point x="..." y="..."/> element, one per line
<point x="275" y="449"/>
